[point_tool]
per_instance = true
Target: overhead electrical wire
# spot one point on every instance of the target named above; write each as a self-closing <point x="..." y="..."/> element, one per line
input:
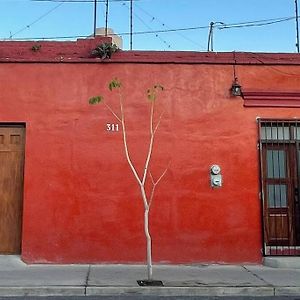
<point x="145" y="24"/>
<point x="36" y="20"/>
<point x="81" y="1"/>
<point x="255" y="23"/>
<point x="254" y="55"/>
<point x="153" y="18"/>
<point x="245" y="24"/>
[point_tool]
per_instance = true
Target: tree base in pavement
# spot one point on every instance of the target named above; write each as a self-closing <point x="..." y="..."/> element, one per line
<point x="147" y="282"/>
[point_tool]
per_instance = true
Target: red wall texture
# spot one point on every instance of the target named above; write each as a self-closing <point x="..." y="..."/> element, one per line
<point x="81" y="202"/>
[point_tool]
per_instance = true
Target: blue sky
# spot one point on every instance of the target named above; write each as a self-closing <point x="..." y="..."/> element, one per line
<point x="30" y="19"/>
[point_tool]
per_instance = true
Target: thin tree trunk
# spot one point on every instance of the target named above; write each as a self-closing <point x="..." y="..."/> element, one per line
<point x="149" y="244"/>
<point x="147" y="232"/>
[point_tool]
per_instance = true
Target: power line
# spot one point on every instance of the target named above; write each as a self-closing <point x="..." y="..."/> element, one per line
<point x="256" y="23"/>
<point x="67" y="37"/>
<point x="37" y="20"/>
<point x="254" y="55"/>
<point x="226" y="26"/>
<point x="166" y="26"/>
<point x="81" y="1"/>
<point x="142" y="21"/>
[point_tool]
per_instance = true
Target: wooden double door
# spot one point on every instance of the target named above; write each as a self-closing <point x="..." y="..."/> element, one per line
<point x="12" y="141"/>
<point x="280" y="162"/>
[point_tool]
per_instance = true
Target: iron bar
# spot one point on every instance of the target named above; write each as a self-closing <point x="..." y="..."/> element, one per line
<point x="131" y="23"/>
<point x="210" y="37"/>
<point x="297" y="25"/>
<point x="95" y="17"/>
<point x="106" y="17"/>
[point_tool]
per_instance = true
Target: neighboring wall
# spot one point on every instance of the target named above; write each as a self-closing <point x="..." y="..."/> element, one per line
<point x="81" y="202"/>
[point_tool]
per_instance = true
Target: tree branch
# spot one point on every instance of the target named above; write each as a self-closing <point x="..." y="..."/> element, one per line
<point x="114" y="114"/>
<point x="152" y="195"/>
<point x="150" y="144"/>
<point x="163" y="173"/>
<point x="155" y="183"/>
<point x="152" y="180"/>
<point x="151" y="117"/>
<point x="151" y="141"/>
<point x="125" y="142"/>
<point x="158" y="122"/>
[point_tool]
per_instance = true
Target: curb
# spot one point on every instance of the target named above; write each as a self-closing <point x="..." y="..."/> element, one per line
<point x="14" y="291"/>
<point x="181" y="291"/>
<point x="287" y="291"/>
<point x="253" y="291"/>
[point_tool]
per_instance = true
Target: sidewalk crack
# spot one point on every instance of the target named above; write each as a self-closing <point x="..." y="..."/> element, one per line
<point x="87" y="280"/>
<point x="258" y="277"/>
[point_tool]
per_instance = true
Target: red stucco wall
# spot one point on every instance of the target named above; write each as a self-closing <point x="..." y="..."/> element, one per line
<point x="81" y="202"/>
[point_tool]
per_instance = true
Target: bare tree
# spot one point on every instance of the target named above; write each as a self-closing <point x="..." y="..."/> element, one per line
<point x="147" y="198"/>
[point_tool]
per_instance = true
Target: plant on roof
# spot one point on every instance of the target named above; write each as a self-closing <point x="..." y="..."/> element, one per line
<point x="145" y="175"/>
<point x="36" y="47"/>
<point x="105" y="50"/>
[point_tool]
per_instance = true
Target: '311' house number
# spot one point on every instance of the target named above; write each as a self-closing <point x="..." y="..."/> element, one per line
<point x="112" y="127"/>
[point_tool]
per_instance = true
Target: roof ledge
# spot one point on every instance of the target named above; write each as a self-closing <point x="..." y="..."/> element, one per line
<point x="260" y="98"/>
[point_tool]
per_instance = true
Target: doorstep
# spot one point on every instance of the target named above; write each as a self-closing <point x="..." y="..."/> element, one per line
<point x="282" y="262"/>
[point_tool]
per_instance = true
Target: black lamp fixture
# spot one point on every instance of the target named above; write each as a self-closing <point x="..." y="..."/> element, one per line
<point x="236" y="88"/>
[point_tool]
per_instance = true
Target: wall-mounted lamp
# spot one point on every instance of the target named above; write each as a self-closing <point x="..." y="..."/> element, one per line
<point x="236" y="88"/>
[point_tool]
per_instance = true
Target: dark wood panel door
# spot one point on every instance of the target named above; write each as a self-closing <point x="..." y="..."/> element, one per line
<point x="280" y="187"/>
<point x="278" y="190"/>
<point x="12" y="141"/>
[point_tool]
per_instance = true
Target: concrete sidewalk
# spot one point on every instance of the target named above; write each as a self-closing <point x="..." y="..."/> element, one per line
<point x="18" y="279"/>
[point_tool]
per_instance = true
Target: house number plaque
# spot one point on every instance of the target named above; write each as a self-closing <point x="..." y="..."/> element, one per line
<point x="111" y="127"/>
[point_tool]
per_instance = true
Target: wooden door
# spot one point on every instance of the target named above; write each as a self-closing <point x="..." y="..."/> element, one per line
<point x="12" y="141"/>
<point x="279" y="189"/>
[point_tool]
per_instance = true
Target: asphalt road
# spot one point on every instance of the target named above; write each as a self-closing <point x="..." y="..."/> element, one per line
<point x="139" y="297"/>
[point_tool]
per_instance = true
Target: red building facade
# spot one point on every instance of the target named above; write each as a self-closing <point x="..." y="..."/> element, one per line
<point x="77" y="199"/>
